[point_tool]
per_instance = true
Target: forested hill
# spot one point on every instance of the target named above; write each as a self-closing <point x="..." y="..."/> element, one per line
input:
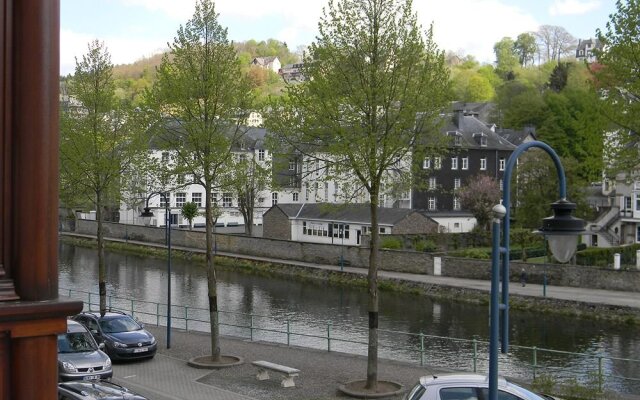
<point x="132" y="79"/>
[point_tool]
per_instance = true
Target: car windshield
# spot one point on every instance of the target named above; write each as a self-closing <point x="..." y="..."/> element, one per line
<point x="120" y="324"/>
<point x="76" y="342"/>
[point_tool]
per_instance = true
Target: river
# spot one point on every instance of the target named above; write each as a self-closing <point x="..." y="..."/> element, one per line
<point x="315" y="307"/>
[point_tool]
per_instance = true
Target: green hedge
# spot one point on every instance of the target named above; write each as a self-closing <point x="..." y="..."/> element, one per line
<point x="391" y="243"/>
<point x="603" y="256"/>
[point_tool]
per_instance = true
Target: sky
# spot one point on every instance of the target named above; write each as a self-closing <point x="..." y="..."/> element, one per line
<point x="133" y="29"/>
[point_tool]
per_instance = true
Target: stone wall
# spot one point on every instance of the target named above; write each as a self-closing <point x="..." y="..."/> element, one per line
<point x="276" y="224"/>
<point x="391" y="260"/>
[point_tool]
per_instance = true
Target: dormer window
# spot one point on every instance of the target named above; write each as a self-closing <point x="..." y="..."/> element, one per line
<point x="457" y="137"/>
<point x="481" y="139"/>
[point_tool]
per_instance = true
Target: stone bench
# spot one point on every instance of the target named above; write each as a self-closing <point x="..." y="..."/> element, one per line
<point x="288" y="373"/>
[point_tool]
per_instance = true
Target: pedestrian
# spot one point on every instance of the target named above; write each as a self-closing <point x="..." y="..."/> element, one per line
<point x="523" y="278"/>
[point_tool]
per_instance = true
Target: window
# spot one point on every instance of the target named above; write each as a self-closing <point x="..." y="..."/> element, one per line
<point x="483" y="164"/>
<point x="501" y="185"/>
<point x="465" y="163"/>
<point x="437" y="163"/>
<point x="227" y="200"/>
<point x="456" y="183"/>
<point x="638" y="235"/>
<point x="274" y="198"/>
<point x="432" y="203"/>
<point x="306" y="191"/>
<point x="292" y="181"/>
<point x="292" y="165"/>
<point x="304" y="227"/>
<point x="196" y="198"/>
<point x="456" y="203"/>
<point x="180" y="179"/>
<point x="638" y="203"/>
<point x="457" y="141"/>
<point x="502" y="162"/>
<point x="483" y="141"/>
<point x="502" y="395"/>
<point x="295" y="197"/>
<point x="459" y="393"/>
<point x="426" y="163"/>
<point x="454" y="162"/>
<point x="163" y="203"/>
<point x="432" y="183"/>
<point x="260" y="155"/>
<point x="214" y="198"/>
<point x="627" y="203"/>
<point x="326" y="191"/>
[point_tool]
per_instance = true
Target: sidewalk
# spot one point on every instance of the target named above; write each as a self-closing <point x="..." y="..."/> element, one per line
<point x="564" y="293"/>
<point x="168" y="377"/>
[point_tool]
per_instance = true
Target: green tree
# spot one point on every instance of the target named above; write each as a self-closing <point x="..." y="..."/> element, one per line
<point x="189" y="212"/>
<point x="525" y="47"/>
<point x="506" y="57"/>
<point x="99" y="142"/>
<point x="376" y="85"/>
<point x="202" y="98"/>
<point x="247" y="177"/>
<point x="471" y="86"/>
<point x="559" y="77"/>
<point x="617" y="79"/>
<point x="479" y="196"/>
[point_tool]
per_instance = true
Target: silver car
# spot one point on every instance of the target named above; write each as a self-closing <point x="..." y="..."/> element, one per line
<point x="467" y="387"/>
<point x="79" y="357"/>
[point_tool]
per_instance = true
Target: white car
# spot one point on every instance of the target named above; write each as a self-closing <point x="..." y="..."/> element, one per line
<point x="467" y="387"/>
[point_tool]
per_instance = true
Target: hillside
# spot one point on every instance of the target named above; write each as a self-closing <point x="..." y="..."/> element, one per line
<point x="133" y="79"/>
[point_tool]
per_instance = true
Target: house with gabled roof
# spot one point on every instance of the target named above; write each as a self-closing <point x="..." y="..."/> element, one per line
<point x="585" y="48"/>
<point x="340" y="224"/>
<point x="271" y="63"/>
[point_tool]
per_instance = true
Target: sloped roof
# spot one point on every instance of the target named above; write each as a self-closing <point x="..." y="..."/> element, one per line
<point x="517" y="137"/>
<point x="468" y="125"/>
<point x="347" y="213"/>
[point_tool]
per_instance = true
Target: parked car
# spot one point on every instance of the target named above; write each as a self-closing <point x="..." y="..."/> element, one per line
<point x="80" y="357"/>
<point x="467" y="387"/>
<point x="124" y="337"/>
<point x="103" y="390"/>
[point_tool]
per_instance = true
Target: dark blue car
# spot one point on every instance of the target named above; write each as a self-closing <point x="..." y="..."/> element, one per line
<point x="124" y="337"/>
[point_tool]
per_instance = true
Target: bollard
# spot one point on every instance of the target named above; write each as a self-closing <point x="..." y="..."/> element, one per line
<point x="535" y="361"/>
<point x="437" y="266"/>
<point x="251" y="327"/>
<point x="475" y="355"/>
<point x="186" y="318"/>
<point x="616" y="261"/>
<point x="638" y="259"/>
<point x="329" y="336"/>
<point x="157" y="314"/>
<point x="288" y="333"/>
<point x="421" y="349"/>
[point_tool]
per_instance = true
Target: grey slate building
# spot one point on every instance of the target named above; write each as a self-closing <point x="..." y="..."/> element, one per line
<point x="475" y="148"/>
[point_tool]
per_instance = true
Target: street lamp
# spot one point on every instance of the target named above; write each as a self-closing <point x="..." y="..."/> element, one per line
<point x="147" y="214"/>
<point x="562" y="229"/>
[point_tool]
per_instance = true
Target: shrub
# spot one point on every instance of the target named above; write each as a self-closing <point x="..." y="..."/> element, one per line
<point x="474" y="253"/>
<point x="425" y="245"/>
<point x="391" y="243"/>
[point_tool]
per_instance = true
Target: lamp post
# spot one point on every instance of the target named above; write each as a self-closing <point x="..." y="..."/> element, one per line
<point x="562" y="230"/>
<point x="147" y="214"/>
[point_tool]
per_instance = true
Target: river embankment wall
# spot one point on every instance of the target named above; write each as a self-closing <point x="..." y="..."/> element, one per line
<point x="589" y="277"/>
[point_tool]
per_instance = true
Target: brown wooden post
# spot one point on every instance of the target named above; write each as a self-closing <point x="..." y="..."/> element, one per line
<point x="29" y="85"/>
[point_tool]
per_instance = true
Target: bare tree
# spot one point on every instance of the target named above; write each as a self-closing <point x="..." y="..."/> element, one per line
<point x="554" y="42"/>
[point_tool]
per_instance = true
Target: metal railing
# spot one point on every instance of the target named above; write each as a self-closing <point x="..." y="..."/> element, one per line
<point x="594" y="369"/>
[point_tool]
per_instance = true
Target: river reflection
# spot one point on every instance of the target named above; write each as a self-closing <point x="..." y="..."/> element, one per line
<point x="311" y="306"/>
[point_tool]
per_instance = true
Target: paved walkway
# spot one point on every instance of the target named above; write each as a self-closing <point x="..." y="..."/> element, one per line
<point x="583" y="295"/>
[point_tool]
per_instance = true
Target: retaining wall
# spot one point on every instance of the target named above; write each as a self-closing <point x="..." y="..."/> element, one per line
<point x="390" y="260"/>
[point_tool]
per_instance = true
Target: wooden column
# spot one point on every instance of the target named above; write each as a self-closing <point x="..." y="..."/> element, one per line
<point x="31" y="315"/>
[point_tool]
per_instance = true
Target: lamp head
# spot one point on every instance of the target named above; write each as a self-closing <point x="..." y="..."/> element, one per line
<point x="562" y="230"/>
<point x="146" y="215"/>
<point x="499" y="211"/>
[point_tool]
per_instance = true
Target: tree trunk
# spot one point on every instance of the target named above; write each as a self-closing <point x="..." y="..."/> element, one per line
<point x="372" y="279"/>
<point x="102" y="271"/>
<point x="211" y="279"/>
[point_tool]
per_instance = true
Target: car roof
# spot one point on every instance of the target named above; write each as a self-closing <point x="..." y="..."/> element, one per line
<point x="73" y="326"/>
<point x="107" y="315"/>
<point x="99" y="389"/>
<point x="475" y="379"/>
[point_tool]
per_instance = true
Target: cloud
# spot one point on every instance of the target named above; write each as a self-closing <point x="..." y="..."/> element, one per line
<point x="473" y="26"/>
<point x="573" y="7"/>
